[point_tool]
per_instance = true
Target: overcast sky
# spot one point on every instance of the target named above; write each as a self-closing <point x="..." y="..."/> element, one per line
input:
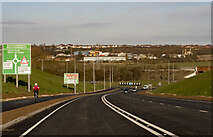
<point x="107" y="23"/>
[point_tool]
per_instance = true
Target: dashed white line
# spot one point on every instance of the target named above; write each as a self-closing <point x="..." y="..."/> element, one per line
<point x="178" y="106"/>
<point x="203" y="111"/>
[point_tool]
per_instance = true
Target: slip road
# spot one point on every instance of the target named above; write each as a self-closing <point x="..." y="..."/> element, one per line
<point x="115" y="114"/>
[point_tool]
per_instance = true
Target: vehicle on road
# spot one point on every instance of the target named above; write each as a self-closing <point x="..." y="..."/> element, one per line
<point x="125" y="91"/>
<point x="145" y="87"/>
<point x="134" y="89"/>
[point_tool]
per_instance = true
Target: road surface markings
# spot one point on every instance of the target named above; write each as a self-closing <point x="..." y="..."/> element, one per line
<point x="162" y="103"/>
<point x="150" y="101"/>
<point x="178" y="106"/>
<point x="204" y="111"/>
<point x="34" y="126"/>
<point x="138" y="121"/>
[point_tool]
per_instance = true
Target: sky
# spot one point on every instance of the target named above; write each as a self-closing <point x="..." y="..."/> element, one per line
<point x="106" y="22"/>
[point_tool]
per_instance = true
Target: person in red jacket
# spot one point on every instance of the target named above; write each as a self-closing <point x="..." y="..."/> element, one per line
<point x="35" y="89"/>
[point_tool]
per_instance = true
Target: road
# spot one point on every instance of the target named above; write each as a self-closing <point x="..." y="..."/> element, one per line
<point x="89" y="115"/>
<point x="10" y="105"/>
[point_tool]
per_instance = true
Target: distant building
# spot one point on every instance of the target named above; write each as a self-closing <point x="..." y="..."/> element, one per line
<point x="69" y="59"/>
<point x="104" y="54"/>
<point x="129" y="55"/>
<point x="142" y="56"/>
<point x="94" y="53"/>
<point x="51" y="57"/>
<point x="61" y="55"/>
<point x="104" y="58"/>
<point x="121" y="54"/>
<point x="177" y="56"/>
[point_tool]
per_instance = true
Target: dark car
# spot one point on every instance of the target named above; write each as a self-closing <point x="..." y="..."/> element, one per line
<point x="125" y="90"/>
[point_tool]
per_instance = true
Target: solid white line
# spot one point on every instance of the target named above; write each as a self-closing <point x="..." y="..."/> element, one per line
<point x="137" y="123"/>
<point x="204" y="111"/>
<point x="110" y="105"/>
<point x="34" y="126"/>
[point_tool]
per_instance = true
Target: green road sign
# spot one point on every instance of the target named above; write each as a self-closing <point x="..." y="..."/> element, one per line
<point x="70" y="78"/>
<point x="16" y="59"/>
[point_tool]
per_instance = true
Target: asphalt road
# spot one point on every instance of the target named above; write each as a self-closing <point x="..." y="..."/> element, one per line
<point x="86" y="116"/>
<point x="182" y="117"/>
<point x="10" y="105"/>
<point x="90" y="116"/>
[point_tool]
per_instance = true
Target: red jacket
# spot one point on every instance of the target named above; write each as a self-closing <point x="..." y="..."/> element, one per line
<point x="36" y="88"/>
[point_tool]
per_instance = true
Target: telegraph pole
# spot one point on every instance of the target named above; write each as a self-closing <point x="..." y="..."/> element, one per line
<point x="168" y="73"/>
<point x="173" y="73"/>
<point x="112" y="72"/>
<point x="84" y="78"/>
<point x="104" y="76"/>
<point x="94" y="74"/>
<point x="67" y="67"/>
<point x="74" y="72"/>
<point x="42" y="65"/>
<point x="110" y="75"/>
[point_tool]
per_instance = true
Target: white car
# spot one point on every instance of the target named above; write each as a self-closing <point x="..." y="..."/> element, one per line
<point x="145" y="87"/>
<point x="134" y="90"/>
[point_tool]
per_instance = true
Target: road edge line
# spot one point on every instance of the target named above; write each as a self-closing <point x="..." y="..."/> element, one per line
<point x="19" y="119"/>
<point x="40" y="121"/>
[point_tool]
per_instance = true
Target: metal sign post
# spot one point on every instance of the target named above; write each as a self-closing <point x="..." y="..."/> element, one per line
<point x="28" y="82"/>
<point x="17" y="80"/>
<point x="5" y="78"/>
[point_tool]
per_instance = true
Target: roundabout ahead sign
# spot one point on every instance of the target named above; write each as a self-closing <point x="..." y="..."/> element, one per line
<point x="16" y="59"/>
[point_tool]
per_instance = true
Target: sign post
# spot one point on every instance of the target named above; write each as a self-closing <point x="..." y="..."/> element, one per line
<point x="16" y="60"/>
<point x="71" y="78"/>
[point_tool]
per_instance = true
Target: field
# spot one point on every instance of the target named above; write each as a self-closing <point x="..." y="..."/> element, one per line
<point x="48" y="83"/>
<point x="52" y="84"/>
<point x="199" y="85"/>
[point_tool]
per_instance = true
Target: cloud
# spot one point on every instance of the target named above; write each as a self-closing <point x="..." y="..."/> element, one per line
<point x="92" y="25"/>
<point x="14" y="22"/>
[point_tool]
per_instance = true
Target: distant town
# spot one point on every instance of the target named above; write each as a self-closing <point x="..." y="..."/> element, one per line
<point x="99" y="52"/>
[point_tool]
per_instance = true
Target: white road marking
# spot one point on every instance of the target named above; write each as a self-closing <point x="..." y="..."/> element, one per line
<point x="178" y="106"/>
<point x="150" y="101"/>
<point x="204" y="111"/>
<point x="179" y="99"/>
<point x="136" y="119"/>
<point x="34" y="126"/>
<point x="162" y="103"/>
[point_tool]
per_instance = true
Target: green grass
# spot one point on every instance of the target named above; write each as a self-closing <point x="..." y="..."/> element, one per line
<point x="193" y="64"/>
<point x="48" y="83"/>
<point x="199" y="85"/>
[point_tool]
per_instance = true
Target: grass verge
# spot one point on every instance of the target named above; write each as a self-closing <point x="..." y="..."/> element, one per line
<point x="198" y="86"/>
